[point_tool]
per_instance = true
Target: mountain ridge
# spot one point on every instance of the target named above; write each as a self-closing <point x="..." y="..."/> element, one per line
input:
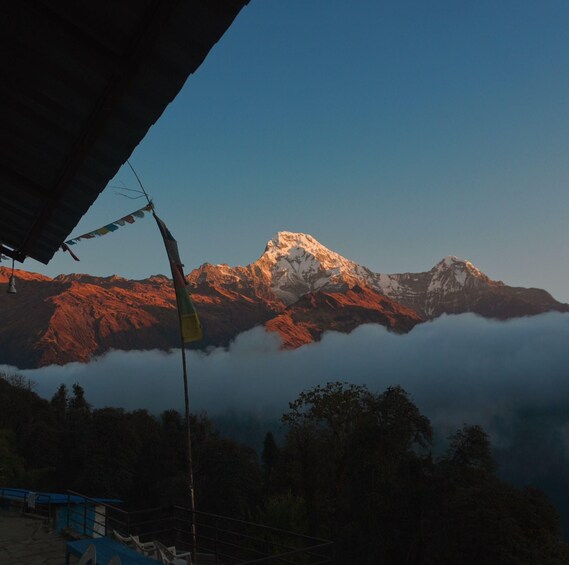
<point x="298" y="288"/>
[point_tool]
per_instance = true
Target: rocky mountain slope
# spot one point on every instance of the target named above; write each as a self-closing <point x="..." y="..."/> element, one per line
<point x="76" y="317"/>
<point x="297" y="288"/>
<point x="312" y="314"/>
<point x="295" y="264"/>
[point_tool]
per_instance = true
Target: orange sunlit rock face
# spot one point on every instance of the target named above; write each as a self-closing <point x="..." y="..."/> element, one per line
<point x="76" y="317"/>
<point x="73" y="318"/>
<point x="308" y="318"/>
<point x="297" y="288"/>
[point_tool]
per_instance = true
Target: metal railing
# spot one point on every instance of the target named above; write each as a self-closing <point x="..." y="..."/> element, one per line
<point x="28" y="501"/>
<point x="92" y="518"/>
<point x="225" y="541"/>
<point x="241" y="542"/>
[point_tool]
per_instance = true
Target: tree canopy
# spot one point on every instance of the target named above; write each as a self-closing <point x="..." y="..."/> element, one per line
<point x="355" y="466"/>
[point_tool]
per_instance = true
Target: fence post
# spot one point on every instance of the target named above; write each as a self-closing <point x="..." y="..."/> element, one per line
<point x="215" y="541"/>
<point x="84" y="516"/>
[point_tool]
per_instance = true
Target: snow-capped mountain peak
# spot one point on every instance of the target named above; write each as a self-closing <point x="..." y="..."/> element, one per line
<point x="461" y="269"/>
<point x="296" y="245"/>
<point x="299" y="264"/>
<point x="296" y="264"/>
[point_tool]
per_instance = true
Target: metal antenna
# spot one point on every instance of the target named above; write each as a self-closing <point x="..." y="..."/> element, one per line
<point x="139" y="182"/>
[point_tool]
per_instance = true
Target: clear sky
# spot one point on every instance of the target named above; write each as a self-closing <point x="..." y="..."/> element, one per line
<point x="395" y="132"/>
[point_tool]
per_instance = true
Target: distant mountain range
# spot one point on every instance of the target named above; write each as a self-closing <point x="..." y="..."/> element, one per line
<point x="297" y="288"/>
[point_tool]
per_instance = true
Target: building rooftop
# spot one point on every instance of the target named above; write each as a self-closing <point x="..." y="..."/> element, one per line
<point x="82" y="82"/>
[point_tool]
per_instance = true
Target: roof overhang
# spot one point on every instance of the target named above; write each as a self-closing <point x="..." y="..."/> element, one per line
<point x="82" y="82"/>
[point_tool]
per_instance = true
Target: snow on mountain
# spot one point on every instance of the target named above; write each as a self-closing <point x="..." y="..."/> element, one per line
<point x="295" y="264"/>
<point x="298" y="288"/>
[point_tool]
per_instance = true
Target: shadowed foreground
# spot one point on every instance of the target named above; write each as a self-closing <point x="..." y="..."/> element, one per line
<point x="27" y="539"/>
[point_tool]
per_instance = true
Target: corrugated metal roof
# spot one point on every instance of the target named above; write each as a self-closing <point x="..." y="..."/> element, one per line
<point x="81" y="84"/>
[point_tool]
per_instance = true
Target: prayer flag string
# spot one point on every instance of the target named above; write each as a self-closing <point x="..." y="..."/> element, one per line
<point x="113" y="226"/>
<point x="108" y="228"/>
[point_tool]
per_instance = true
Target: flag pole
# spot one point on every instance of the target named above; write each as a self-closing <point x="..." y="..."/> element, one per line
<point x="186" y="394"/>
<point x="190" y="464"/>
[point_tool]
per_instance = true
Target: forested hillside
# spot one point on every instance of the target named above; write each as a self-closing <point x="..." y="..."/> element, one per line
<point x="355" y="467"/>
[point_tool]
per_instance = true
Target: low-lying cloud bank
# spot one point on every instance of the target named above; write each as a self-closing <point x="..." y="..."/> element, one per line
<point x="457" y="369"/>
<point x="510" y="377"/>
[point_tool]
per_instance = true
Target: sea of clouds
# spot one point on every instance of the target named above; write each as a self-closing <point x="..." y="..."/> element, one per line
<point x="456" y="368"/>
<point x="510" y="377"/>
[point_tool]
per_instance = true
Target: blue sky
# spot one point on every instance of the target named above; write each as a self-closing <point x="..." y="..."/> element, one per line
<point x="395" y="132"/>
